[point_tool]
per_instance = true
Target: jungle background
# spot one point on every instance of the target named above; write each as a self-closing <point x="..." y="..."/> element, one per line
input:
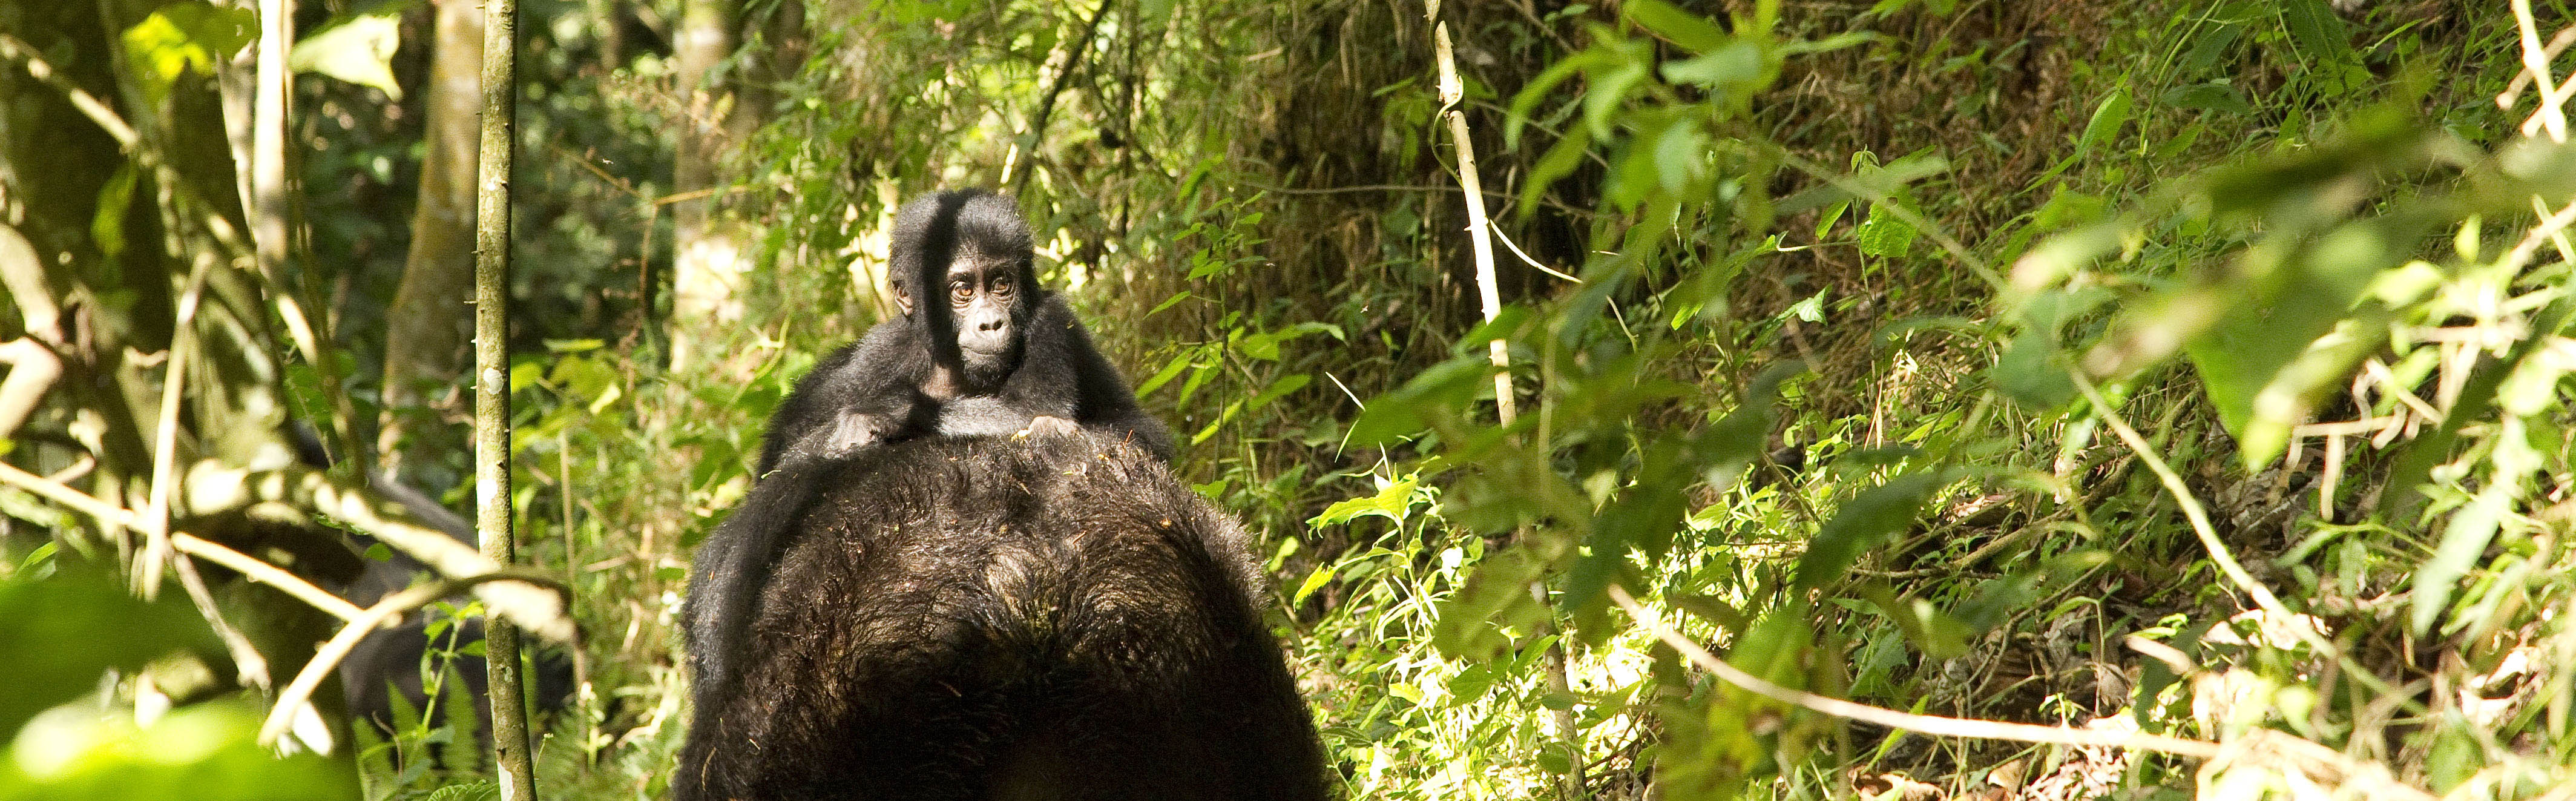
<point x="2186" y="375"/>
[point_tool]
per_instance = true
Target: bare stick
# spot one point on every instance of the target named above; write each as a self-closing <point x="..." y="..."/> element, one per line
<point x="1480" y="230"/>
<point x="246" y="657"/>
<point x="265" y="573"/>
<point x="214" y="487"/>
<point x="510" y="744"/>
<point x="1927" y="724"/>
<point x="329" y="655"/>
<point x="2535" y="60"/>
<point x="33" y="369"/>
<point x="165" y="442"/>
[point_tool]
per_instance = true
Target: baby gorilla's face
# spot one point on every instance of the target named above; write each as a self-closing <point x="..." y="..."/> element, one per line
<point x="985" y="301"/>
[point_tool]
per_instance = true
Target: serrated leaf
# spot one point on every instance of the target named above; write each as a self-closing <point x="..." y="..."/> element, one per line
<point x="1314" y="581"/>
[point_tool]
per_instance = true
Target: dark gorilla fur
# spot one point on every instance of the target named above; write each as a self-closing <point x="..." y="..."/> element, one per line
<point x="990" y="617"/>
<point x="908" y="376"/>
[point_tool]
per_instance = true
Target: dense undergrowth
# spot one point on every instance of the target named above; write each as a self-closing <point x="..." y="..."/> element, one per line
<point x="2189" y="367"/>
<point x="1850" y="285"/>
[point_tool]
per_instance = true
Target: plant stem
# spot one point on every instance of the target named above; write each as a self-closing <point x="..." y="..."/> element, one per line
<point x="510" y="744"/>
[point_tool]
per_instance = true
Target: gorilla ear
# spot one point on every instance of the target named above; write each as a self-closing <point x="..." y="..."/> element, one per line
<point x="902" y="298"/>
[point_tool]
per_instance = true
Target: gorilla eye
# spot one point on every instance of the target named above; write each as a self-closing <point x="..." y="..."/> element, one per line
<point x="961" y="291"/>
<point x="1002" y="285"/>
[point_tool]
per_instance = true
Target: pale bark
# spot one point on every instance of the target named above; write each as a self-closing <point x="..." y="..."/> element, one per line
<point x="426" y="327"/>
<point x="707" y="254"/>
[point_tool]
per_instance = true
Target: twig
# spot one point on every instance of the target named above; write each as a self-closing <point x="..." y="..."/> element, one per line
<point x="265" y="573"/>
<point x="1881" y="201"/>
<point x="1046" y="104"/>
<point x="33" y="369"/>
<point x="1479" y="236"/>
<point x="2535" y="60"/>
<point x="213" y="486"/>
<point x="88" y="104"/>
<point x="1525" y="257"/>
<point x="257" y="570"/>
<point x="2219" y="553"/>
<point x="165" y="444"/>
<point x="2513" y="89"/>
<point x="1927" y="724"/>
<point x="337" y="648"/>
<point x="246" y="657"/>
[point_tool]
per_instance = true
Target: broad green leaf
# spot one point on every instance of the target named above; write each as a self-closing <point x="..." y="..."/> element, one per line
<point x="2320" y="36"/>
<point x="185" y="37"/>
<point x="1314" y="581"/>
<point x="202" y="752"/>
<point x="1862" y="523"/>
<point x="59" y="634"/>
<point x="2272" y="316"/>
<point x="2211" y="96"/>
<point x="1735" y="67"/>
<point x="1610" y="88"/>
<point x="2108" y="118"/>
<point x="1884" y="234"/>
<point x="358" y="49"/>
<point x="1393" y="502"/>
<point x="1693" y="32"/>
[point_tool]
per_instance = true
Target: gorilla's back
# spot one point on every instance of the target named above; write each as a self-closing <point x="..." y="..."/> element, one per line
<point x="1053" y="617"/>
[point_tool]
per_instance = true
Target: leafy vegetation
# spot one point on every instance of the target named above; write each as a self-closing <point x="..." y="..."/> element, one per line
<point x="2187" y="377"/>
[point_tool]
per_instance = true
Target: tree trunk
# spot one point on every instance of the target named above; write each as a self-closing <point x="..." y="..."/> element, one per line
<point x="707" y="255"/>
<point x="425" y="328"/>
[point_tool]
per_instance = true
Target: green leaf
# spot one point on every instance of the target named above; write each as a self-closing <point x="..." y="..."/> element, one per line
<point x="1864" y="522"/>
<point x="2320" y="36"/>
<point x="2273" y="316"/>
<point x="202" y="752"/>
<point x="1314" y="581"/>
<point x="2464" y="543"/>
<point x="2108" y="118"/>
<point x="58" y="634"/>
<point x="1609" y="90"/>
<point x="184" y="37"/>
<point x="2212" y="96"/>
<point x="1732" y="68"/>
<point x="1884" y="234"/>
<point x="1693" y="32"/>
<point x="358" y="49"/>
<point x="1392" y="502"/>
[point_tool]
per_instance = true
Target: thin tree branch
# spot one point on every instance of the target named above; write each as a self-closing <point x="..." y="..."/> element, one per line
<point x="1927" y="724"/>
<point x="265" y="573"/>
<point x="165" y="442"/>
<point x="511" y="747"/>
<point x="213" y="488"/>
<point x="337" y="648"/>
<point x="1046" y="104"/>
<point x="33" y="369"/>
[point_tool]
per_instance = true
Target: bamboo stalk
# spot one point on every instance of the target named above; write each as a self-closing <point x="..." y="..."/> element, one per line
<point x="1570" y="784"/>
<point x="510" y="744"/>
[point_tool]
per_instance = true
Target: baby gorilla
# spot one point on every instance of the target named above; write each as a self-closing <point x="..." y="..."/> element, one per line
<point x="1001" y="355"/>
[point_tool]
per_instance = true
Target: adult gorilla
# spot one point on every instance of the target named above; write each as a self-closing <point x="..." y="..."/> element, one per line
<point x="992" y="617"/>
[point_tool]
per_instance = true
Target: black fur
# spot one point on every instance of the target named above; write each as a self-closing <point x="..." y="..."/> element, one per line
<point x="989" y="617"/>
<point x="910" y="377"/>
